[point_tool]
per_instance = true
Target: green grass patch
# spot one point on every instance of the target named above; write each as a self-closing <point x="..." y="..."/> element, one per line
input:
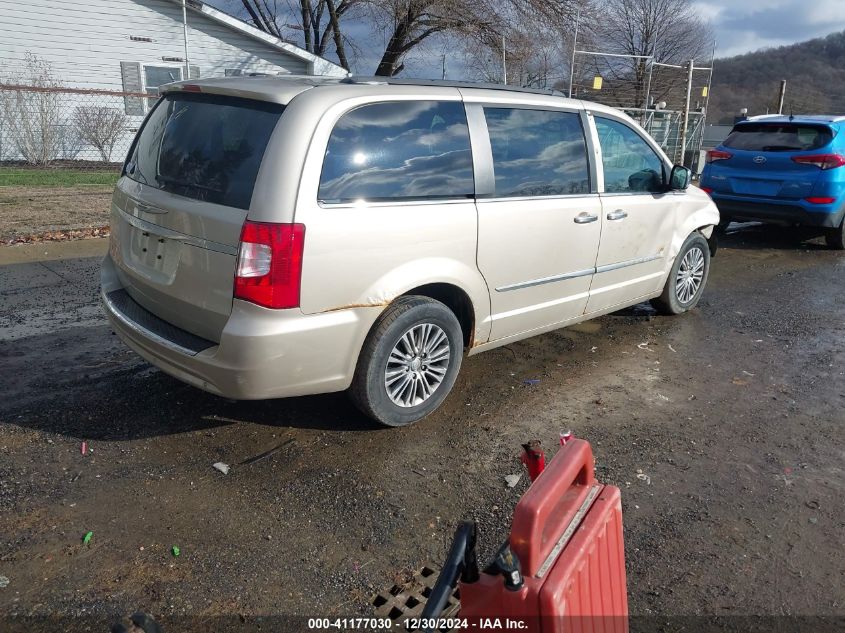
<point x="17" y="177"/>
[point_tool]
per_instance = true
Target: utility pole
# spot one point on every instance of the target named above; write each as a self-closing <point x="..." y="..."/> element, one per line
<point x="185" y="35"/>
<point x="574" y="47"/>
<point x="504" y="62"/>
<point x="686" y="112"/>
<point x="781" y="95"/>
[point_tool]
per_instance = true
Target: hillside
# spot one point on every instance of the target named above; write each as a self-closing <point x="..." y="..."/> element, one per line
<point x="814" y="72"/>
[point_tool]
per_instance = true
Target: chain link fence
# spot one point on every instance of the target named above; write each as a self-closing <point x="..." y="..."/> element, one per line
<point x="61" y="150"/>
<point x="655" y="94"/>
<point x="67" y="128"/>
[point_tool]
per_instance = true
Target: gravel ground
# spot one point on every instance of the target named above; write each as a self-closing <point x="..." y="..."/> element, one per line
<point x="734" y="412"/>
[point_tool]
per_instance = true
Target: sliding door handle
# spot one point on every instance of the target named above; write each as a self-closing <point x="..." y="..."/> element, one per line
<point x="585" y="218"/>
<point x="619" y="214"/>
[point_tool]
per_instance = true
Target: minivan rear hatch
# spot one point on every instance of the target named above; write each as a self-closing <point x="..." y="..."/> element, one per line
<point x="178" y="210"/>
<point x="762" y="161"/>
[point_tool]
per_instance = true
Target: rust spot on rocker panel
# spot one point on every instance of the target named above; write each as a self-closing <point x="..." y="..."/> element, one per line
<point x="358" y="305"/>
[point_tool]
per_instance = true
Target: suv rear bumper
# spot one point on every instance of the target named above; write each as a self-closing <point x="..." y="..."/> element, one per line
<point x="775" y="211"/>
<point x="262" y="353"/>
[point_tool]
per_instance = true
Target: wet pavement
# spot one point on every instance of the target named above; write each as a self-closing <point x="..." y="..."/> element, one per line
<point x="732" y="413"/>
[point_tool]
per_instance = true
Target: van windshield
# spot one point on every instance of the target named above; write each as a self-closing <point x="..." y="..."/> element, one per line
<point x="778" y="137"/>
<point x="206" y="147"/>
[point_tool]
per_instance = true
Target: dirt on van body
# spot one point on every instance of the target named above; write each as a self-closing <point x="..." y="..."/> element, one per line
<point x="722" y="427"/>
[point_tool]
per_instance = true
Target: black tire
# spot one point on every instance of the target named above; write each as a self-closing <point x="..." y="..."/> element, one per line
<point x="369" y="391"/>
<point x="835" y="237"/>
<point x="669" y="302"/>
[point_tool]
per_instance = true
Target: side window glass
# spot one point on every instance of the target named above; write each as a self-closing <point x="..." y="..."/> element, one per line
<point x="630" y="165"/>
<point x="399" y="150"/>
<point x="537" y="152"/>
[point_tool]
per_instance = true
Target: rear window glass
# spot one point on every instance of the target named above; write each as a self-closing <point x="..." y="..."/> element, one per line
<point x="205" y="147"/>
<point x="778" y="137"/>
<point x="399" y="150"/>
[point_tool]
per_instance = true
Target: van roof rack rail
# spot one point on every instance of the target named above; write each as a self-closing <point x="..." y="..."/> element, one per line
<point x="446" y="83"/>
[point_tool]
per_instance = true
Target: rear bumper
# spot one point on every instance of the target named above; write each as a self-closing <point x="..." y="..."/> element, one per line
<point x="262" y="353"/>
<point x="779" y="212"/>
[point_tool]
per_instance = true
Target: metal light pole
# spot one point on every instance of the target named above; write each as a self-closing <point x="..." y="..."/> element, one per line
<point x="686" y="111"/>
<point x="185" y="34"/>
<point x="650" y="72"/>
<point x="574" y="47"/>
<point x="504" y="63"/>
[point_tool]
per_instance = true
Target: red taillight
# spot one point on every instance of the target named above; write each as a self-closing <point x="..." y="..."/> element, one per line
<point x="820" y="200"/>
<point x="707" y="190"/>
<point x="822" y="161"/>
<point x="269" y="268"/>
<point x="717" y="154"/>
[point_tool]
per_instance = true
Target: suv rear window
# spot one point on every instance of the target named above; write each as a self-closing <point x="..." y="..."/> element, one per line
<point x="206" y="147"/>
<point x="778" y="137"/>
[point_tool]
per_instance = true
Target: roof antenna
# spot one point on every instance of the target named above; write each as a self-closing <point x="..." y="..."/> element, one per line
<point x="791" y="115"/>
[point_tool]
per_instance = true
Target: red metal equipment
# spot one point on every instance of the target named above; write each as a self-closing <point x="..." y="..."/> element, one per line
<point x="564" y="564"/>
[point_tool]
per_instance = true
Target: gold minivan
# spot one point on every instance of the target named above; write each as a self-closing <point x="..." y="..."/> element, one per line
<point x="283" y="236"/>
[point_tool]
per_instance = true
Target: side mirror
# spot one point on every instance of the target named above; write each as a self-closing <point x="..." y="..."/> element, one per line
<point x="680" y="178"/>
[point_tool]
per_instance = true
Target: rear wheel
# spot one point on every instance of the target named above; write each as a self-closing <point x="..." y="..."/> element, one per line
<point x="835" y="237"/>
<point x="687" y="278"/>
<point x="409" y="361"/>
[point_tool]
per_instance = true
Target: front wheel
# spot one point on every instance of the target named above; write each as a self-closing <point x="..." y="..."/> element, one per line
<point x="687" y="278"/>
<point x="835" y="237"/>
<point x="409" y="361"/>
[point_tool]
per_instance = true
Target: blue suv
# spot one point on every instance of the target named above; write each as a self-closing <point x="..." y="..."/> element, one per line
<point x="782" y="169"/>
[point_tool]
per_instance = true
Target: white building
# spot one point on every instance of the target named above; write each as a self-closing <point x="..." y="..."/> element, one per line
<point x="133" y="46"/>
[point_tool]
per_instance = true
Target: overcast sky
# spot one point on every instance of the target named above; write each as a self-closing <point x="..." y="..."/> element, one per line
<point x="747" y="25"/>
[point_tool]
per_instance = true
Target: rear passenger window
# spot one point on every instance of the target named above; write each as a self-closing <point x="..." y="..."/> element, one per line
<point x="399" y="150"/>
<point x="630" y="165"/>
<point x="537" y="152"/>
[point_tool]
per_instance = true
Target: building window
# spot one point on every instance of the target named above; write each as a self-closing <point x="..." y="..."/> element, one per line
<point x="155" y="76"/>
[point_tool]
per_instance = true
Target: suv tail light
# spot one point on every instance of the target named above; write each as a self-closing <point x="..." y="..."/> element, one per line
<point x="822" y="161"/>
<point x="717" y="154"/>
<point x="820" y="200"/>
<point x="269" y="268"/>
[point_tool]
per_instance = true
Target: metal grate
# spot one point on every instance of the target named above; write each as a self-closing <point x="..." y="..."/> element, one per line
<point x="408" y="600"/>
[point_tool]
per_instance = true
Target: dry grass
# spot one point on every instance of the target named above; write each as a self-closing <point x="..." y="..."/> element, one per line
<point x="25" y="211"/>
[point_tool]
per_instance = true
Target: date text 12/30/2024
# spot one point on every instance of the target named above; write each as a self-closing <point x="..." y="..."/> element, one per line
<point x="417" y="624"/>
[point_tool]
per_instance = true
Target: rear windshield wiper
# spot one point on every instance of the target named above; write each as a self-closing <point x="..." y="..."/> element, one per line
<point x="182" y="183"/>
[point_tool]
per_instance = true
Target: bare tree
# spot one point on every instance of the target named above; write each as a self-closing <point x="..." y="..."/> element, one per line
<point x="477" y="23"/>
<point x="407" y="24"/>
<point x="318" y="20"/>
<point x="31" y="112"/>
<point x="671" y="31"/>
<point x="100" y="127"/>
<point x="534" y="39"/>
